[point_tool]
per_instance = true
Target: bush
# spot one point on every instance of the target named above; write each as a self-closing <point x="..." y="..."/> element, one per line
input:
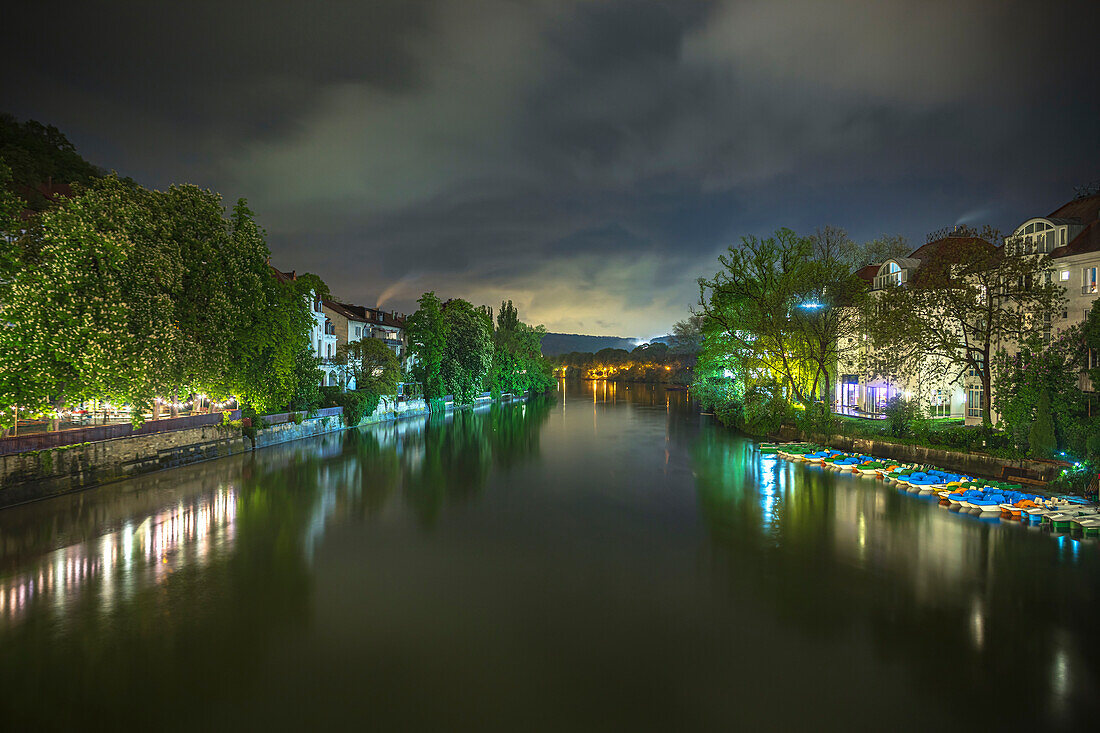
<point x="1041" y="437"/>
<point x="901" y="414"/>
<point x="765" y="410"/>
<point x="357" y="404"/>
<point x="817" y="419"/>
<point x="1077" y="479"/>
<point x="730" y="413"/>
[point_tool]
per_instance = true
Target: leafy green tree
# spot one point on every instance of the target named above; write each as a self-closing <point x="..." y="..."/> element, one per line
<point x="270" y="320"/>
<point x="38" y="154"/>
<point x="467" y="353"/>
<point x="780" y="308"/>
<point x="1041" y="437"/>
<point x="965" y="298"/>
<point x="374" y="366"/>
<point x="89" y="319"/>
<point x="307" y="381"/>
<point x="427" y="333"/>
<point x="1020" y="378"/>
<point x="518" y="365"/>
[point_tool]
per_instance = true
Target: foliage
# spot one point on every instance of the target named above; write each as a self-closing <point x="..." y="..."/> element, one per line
<point x="372" y="363"/>
<point x="776" y="311"/>
<point x="307" y="381"/>
<point x="1079" y="479"/>
<point x="426" y="330"/>
<point x="357" y="404"/>
<point x="651" y="363"/>
<point x="38" y="154"/>
<point x="1020" y="379"/>
<point x="1041" y="437"/>
<point x="124" y="294"/>
<point x="966" y="296"/>
<point x="902" y="415"/>
<point x="467" y="352"/>
<point x="518" y="365"/>
<point x="765" y="409"/>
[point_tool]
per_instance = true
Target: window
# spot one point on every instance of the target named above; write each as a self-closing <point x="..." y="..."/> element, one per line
<point x="1065" y="275"/>
<point x="974" y="402"/>
<point x="1088" y="280"/>
<point x="1062" y="240"/>
<point x="358" y="331"/>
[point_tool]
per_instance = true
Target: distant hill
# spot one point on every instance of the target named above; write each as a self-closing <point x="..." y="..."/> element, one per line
<point x="563" y="343"/>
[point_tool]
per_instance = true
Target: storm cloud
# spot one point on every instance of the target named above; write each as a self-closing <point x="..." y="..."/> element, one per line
<point x="586" y="159"/>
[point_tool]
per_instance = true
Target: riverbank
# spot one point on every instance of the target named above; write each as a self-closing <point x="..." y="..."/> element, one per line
<point x="973" y="464"/>
<point x="34" y="475"/>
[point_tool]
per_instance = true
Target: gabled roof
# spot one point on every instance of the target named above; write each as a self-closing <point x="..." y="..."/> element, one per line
<point x="1088" y="240"/>
<point x="932" y="250"/>
<point x="347" y="310"/>
<point x="283" y="277"/>
<point x="867" y="273"/>
<point x="363" y="314"/>
<point x="1085" y="210"/>
<point x="1082" y="210"/>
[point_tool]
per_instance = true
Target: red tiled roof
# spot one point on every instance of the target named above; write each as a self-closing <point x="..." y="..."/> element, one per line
<point x="1084" y="209"/>
<point x="929" y="251"/>
<point x="1088" y="240"/>
<point x="366" y="315"/>
<point x="867" y="273"/>
<point x="283" y="277"/>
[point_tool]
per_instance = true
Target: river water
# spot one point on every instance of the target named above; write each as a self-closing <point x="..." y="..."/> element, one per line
<point x="606" y="560"/>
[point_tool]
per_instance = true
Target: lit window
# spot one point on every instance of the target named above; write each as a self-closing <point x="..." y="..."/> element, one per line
<point x="1065" y="275"/>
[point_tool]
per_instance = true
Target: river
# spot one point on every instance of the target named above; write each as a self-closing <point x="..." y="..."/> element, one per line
<point x="606" y="560"/>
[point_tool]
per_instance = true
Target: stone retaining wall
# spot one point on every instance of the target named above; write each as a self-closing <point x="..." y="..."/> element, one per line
<point x="45" y="473"/>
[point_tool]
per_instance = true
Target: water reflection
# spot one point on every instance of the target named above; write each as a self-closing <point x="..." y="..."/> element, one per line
<point x="482" y="566"/>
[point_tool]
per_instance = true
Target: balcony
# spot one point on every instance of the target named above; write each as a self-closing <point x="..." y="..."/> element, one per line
<point x="1090" y="289"/>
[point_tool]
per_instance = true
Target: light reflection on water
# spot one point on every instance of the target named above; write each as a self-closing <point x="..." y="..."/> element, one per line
<point x="534" y="553"/>
<point x="155" y="545"/>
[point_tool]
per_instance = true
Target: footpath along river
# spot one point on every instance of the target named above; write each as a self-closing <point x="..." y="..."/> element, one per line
<point x="606" y="560"/>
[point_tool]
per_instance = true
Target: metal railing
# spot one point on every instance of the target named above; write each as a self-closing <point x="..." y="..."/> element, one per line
<point x="96" y="433"/>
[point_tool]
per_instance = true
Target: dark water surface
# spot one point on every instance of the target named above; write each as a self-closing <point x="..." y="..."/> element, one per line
<point x="610" y="560"/>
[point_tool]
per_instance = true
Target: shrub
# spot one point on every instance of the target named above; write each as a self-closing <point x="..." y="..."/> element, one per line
<point x="900" y="416"/>
<point x="297" y="417"/>
<point x="357" y="404"/>
<point x="765" y="410"/>
<point x="1078" y="479"/>
<point x="818" y="420"/>
<point x="1041" y="437"/>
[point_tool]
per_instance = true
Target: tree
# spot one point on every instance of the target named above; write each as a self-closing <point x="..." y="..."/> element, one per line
<point x="38" y="154"/>
<point x="427" y="333"/>
<point x="687" y="335"/>
<point x="92" y="316"/>
<point x="307" y="381"/>
<point x="1041" y="438"/>
<point x="468" y="351"/>
<point x="518" y="364"/>
<point x="374" y="365"/>
<point x="780" y="307"/>
<point x="967" y="296"/>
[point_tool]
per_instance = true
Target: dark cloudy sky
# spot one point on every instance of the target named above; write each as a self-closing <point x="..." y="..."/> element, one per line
<point x="587" y="159"/>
